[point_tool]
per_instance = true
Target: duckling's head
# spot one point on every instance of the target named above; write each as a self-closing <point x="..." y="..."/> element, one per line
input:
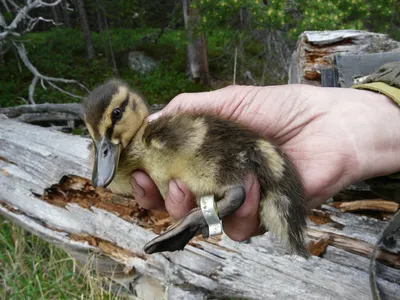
<point x="113" y="113"/>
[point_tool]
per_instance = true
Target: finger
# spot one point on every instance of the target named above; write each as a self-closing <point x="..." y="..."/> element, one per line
<point x="179" y="200"/>
<point x="245" y="223"/>
<point x="146" y="192"/>
<point x="221" y="102"/>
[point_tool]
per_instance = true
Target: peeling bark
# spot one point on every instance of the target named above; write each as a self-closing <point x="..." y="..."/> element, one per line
<point x="315" y="50"/>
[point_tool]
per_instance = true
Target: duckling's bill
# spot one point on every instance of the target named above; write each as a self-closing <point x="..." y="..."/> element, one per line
<point x="106" y="162"/>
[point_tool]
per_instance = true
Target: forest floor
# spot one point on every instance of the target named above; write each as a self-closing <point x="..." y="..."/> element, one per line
<point x="61" y="53"/>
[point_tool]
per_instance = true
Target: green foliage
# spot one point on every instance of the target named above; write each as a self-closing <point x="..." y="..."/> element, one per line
<point x="341" y="14"/>
<point x="61" y="53"/>
<point x="296" y="16"/>
<point x="30" y="268"/>
<point x="217" y="13"/>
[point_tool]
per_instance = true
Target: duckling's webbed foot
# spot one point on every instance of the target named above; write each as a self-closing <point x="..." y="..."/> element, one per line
<point x="194" y="223"/>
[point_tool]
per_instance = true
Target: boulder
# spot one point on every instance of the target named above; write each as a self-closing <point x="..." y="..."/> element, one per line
<point x="140" y="62"/>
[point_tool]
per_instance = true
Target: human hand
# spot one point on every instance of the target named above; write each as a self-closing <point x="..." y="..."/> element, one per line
<point x="333" y="136"/>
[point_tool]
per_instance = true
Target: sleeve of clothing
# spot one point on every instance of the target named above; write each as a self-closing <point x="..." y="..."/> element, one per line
<point x="386" y="80"/>
<point x="383" y="88"/>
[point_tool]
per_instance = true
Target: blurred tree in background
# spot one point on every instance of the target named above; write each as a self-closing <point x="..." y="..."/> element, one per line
<point x="195" y="42"/>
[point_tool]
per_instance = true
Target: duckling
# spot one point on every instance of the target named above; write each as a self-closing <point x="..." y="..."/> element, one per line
<point x="208" y="154"/>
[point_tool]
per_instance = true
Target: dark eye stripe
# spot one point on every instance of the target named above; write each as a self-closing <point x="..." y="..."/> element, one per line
<point x="122" y="107"/>
<point x="124" y="103"/>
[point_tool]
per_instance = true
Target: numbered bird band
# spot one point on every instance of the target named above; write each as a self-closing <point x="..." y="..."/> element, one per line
<point x="210" y="213"/>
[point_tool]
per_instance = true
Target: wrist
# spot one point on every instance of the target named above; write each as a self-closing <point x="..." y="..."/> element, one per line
<point x="374" y="133"/>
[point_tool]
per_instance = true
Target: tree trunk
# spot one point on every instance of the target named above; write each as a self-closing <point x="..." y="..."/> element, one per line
<point x="196" y="51"/>
<point x="98" y="18"/>
<point x="55" y="14"/>
<point x="65" y="13"/>
<point x="85" y="28"/>
<point x="1" y="54"/>
<point x="87" y="222"/>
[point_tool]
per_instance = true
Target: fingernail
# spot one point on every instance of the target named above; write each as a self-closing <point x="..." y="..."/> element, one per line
<point x="137" y="189"/>
<point x="175" y="193"/>
<point x="153" y="117"/>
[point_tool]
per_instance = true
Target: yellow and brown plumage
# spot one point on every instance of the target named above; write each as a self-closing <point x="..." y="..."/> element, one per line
<point x="208" y="154"/>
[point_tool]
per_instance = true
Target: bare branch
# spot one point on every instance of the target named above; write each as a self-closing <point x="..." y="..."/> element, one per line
<point x="46" y="4"/>
<point x="23" y="100"/>
<point x="7" y="30"/>
<point x="75" y="109"/>
<point x="32" y="89"/>
<point x="42" y="84"/>
<point x="47" y="108"/>
<point x="16" y="6"/>
<point x="5" y="5"/>
<point x="2" y="21"/>
<point x="67" y="7"/>
<point x="64" y="91"/>
<point x="37" y="75"/>
<point x="33" y="22"/>
<point x="23" y="13"/>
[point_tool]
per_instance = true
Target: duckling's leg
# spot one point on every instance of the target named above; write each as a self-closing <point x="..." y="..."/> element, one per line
<point x="194" y="223"/>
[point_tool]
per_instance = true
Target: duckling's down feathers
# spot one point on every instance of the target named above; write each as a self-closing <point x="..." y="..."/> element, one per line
<point x="209" y="154"/>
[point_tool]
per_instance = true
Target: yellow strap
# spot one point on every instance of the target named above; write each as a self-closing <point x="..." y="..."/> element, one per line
<point x="381" y="87"/>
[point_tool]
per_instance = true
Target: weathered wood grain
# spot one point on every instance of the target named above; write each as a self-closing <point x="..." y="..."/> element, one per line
<point x="315" y="50"/>
<point x="33" y="158"/>
<point x="50" y="112"/>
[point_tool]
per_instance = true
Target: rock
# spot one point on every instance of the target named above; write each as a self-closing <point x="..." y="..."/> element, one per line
<point x="141" y="63"/>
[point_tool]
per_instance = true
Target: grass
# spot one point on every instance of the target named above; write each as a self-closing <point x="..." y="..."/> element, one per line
<point x="31" y="268"/>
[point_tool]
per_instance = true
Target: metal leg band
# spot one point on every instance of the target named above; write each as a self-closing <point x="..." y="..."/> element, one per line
<point x="210" y="213"/>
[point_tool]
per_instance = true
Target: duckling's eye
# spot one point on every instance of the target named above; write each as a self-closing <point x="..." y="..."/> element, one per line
<point x="116" y="114"/>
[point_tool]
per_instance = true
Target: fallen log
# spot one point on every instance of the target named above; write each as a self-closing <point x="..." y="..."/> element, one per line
<point x="74" y="109"/>
<point x="87" y="222"/>
<point x="315" y="51"/>
<point x="50" y="112"/>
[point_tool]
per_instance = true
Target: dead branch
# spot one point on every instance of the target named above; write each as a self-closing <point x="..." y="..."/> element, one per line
<point x="47" y="117"/>
<point x="66" y="108"/>
<point x="23" y="13"/>
<point x="11" y="30"/>
<point x="373" y="204"/>
<point x="48" y="112"/>
<point x="34" y="21"/>
<point x="38" y="76"/>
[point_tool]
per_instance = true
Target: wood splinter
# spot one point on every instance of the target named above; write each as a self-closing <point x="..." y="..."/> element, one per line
<point x="373" y="204"/>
